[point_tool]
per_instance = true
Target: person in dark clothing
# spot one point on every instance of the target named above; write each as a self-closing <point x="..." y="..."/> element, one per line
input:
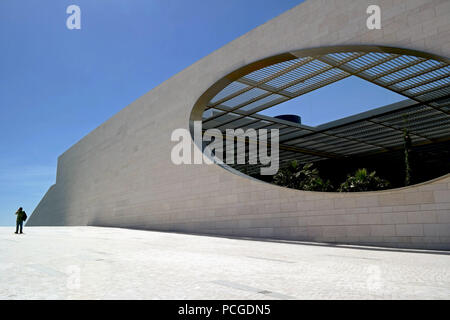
<point x="20" y="219"/>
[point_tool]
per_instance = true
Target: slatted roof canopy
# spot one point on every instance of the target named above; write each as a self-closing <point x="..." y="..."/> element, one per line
<point x="425" y="112"/>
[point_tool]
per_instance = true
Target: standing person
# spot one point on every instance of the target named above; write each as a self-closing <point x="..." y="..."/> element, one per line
<point x="21" y="217"/>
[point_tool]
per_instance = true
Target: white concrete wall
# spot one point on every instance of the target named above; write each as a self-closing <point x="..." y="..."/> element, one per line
<point x="121" y="174"/>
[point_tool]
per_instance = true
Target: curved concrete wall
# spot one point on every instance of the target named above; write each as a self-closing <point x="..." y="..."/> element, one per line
<point x="121" y="173"/>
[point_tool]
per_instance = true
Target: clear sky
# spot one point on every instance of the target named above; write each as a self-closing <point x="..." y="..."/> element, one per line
<point x="341" y="99"/>
<point x="57" y="85"/>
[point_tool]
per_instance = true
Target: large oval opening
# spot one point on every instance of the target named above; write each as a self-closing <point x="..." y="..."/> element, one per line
<point x="359" y="118"/>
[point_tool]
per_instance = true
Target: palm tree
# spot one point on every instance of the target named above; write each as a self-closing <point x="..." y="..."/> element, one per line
<point x="362" y="180"/>
<point x="407" y="151"/>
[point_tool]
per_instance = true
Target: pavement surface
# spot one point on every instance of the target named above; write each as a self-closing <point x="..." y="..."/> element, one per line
<point x="111" y="263"/>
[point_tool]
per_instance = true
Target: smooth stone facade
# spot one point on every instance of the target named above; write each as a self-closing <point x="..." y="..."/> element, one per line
<point x="121" y="173"/>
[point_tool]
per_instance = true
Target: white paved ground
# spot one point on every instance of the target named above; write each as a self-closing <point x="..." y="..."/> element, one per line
<point x="108" y="263"/>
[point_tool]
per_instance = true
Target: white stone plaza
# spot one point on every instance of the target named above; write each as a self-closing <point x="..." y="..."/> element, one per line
<point x="110" y="263"/>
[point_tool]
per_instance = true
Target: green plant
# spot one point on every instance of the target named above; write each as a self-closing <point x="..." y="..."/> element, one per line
<point x="288" y="175"/>
<point x="362" y="180"/>
<point x="301" y="177"/>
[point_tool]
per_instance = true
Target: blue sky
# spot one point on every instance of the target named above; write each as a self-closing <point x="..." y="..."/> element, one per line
<point x="57" y="85"/>
<point x="344" y="98"/>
